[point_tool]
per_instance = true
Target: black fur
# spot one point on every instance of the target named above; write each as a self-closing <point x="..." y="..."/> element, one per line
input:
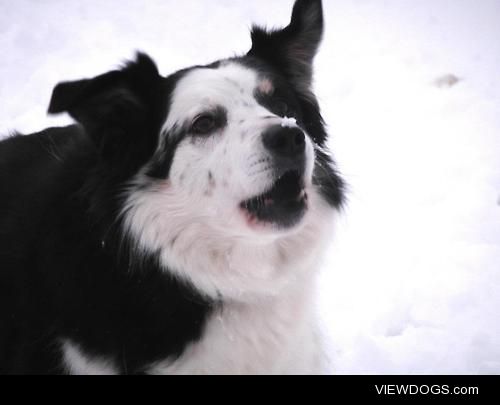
<point x="115" y="107"/>
<point x="292" y="49"/>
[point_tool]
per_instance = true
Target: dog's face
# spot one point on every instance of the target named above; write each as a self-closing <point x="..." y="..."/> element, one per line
<point x="242" y="155"/>
<point x="232" y="150"/>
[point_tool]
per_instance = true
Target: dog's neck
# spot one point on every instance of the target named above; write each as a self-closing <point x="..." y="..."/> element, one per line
<point x="221" y="266"/>
<point x="276" y="335"/>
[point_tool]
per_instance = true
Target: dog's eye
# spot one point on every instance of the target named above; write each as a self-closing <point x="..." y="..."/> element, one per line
<point x="203" y="124"/>
<point x="282" y="107"/>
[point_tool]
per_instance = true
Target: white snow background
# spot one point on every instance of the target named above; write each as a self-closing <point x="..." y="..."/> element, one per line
<point x="411" y="93"/>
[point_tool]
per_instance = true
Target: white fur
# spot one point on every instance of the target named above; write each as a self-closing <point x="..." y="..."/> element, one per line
<point x="276" y="335"/>
<point x="78" y="363"/>
<point x="263" y="275"/>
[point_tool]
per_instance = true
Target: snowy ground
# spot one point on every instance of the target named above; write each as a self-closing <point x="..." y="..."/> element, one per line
<point x="412" y="281"/>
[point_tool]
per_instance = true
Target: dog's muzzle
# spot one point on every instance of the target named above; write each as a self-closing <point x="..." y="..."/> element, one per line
<point x="287" y="147"/>
<point x="285" y="202"/>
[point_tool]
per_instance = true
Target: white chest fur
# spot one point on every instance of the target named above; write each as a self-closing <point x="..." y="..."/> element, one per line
<point x="273" y="336"/>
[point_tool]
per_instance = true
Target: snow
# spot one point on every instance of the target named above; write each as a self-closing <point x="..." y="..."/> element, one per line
<point x="288" y="122"/>
<point x="411" y="94"/>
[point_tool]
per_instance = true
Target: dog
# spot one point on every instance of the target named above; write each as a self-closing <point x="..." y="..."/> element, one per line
<point x="177" y="226"/>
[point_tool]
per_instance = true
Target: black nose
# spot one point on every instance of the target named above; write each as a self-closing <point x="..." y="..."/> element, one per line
<point x="284" y="142"/>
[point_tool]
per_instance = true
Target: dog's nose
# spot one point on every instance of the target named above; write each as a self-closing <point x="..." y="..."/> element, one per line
<point x="284" y="142"/>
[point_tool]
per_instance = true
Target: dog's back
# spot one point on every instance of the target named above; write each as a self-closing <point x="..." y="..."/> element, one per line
<point x="37" y="173"/>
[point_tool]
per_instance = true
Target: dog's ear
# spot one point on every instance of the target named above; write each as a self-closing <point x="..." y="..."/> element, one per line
<point x="114" y="107"/>
<point x="292" y="49"/>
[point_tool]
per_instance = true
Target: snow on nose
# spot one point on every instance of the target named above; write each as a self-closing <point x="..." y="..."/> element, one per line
<point x="288" y="122"/>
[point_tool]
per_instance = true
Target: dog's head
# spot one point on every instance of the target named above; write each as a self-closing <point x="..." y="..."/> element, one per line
<point x="231" y="150"/>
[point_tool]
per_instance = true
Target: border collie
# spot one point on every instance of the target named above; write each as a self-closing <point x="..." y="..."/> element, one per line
<point x="177" y="226"/>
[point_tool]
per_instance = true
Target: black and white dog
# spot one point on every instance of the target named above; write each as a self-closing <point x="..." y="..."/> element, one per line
<point x="177" y="227"/>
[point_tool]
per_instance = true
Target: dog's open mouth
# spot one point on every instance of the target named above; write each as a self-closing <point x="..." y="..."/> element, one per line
<point x="284" y="204"/>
